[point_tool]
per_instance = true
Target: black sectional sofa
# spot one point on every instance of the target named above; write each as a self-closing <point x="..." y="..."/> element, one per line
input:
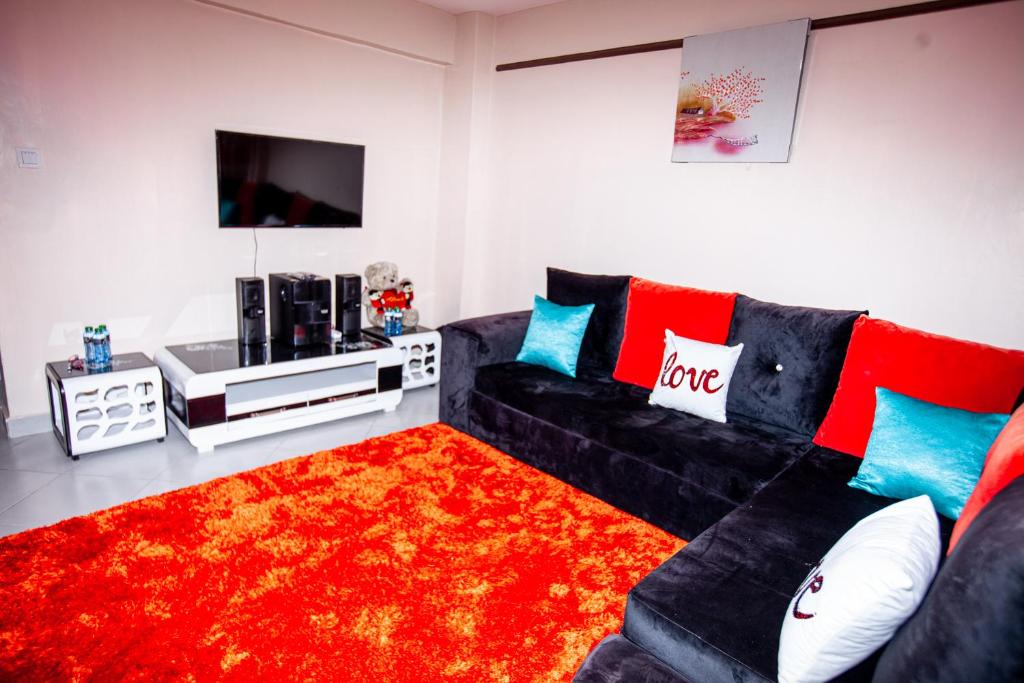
<point x="760" y="503"/>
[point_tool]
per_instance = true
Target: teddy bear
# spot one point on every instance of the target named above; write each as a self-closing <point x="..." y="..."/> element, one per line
<point x="384" y="290"/>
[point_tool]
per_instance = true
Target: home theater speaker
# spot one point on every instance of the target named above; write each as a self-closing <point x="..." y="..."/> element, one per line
<point x="300" y="309"/>
<point x="348" y="290"/>
<point x="251" y="310"/>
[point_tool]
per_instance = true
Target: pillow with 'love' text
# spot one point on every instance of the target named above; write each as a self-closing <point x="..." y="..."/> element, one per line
<point x="695" y="376"/>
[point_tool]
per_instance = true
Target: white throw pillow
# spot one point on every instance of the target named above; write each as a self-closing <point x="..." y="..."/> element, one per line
<point x="865" y="587"/>
<point x="695" y="376"/>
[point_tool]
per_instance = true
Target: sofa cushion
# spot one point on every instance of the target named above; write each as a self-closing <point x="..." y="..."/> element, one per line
<point x="731" y="460"/>
<point x="616" y="660"/>
<point x="714" y="610"/>
<point x="950" y="372"/>
<point x="866" y="586"/>
<point x="970" y="626"/>
<point x="555" y="335"/>
<point x="695" y="376"/>
<point x="1003" y="463"/>
<point x="608" y="293"/>
<point x="919" y="448"/>
<point x="791" y="362"/>
<point x="654" y="307"/>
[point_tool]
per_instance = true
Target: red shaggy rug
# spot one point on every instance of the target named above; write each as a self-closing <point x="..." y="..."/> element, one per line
<point x="420" y="556"/>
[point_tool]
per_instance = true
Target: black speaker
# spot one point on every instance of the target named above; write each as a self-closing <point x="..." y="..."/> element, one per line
<point x="251" y="310"/>
<point x="348" y="290"/>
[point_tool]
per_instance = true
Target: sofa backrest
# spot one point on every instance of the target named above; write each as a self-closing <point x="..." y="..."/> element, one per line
<point x="608" y="293"/>
<point x="970" y="626"/>
<point x="951" y="372"/>
<point x="790" y="365"/>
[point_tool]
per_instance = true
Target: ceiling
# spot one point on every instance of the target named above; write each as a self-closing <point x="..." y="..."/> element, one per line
<point x="495" y="7"/>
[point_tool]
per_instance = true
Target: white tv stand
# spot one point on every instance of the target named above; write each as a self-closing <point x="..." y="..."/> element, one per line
<point x="219" y="392"/>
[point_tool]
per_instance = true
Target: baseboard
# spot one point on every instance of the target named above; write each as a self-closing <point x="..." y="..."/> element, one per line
<point x="28" y="425"/>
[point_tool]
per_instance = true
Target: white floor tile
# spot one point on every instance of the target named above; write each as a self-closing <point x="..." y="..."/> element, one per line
<point x="15" y="485"/>
<point x="36" y="453"/>
<point x="141" y="461"/>
<point x="156" y="487"/>
<point x="322" y="437"/>
<point x="70" y="495"/>
<point x="189" y="467"/>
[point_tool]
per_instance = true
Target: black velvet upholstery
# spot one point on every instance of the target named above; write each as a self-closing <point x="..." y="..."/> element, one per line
<point x="615" y="445"/>
<point x="970" y="626"/>
<point x="608" y="293"/>
<point x="652" y="494"/>
<point x="469" y="344"/>
<point x="769" y="503"/>
<point x="810" y="345"/>
<point x="714" y="611"/>
<point x="616" y="660"/>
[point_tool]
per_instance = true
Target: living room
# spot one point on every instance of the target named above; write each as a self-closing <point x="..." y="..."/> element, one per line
<point x="513" y="149"/>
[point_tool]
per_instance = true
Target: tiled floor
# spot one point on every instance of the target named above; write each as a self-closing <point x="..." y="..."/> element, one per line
<point x="40" y="486"/>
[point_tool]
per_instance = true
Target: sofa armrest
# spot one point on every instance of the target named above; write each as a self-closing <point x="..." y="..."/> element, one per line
<point x="470" y="344"/>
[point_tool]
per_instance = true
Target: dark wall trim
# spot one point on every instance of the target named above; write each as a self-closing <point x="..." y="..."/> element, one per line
<point x="816" y="25"/>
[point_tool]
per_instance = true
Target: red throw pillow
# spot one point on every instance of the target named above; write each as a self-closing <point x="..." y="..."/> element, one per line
<point x="651" y="309"/>
<point x="950" y="372"/>
<point x="1003" y="464"/>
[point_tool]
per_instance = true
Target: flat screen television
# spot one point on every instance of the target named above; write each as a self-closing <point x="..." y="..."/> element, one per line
<point x="265" y="181"/>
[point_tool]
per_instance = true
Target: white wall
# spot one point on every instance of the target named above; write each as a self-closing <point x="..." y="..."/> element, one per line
<point x="464" y="157"/>
<point x="120" y="225"/>
<point x="404" y="26"/>
<point x="904" y="193"/>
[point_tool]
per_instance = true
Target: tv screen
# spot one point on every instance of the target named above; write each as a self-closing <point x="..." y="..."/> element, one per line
<point x="272" y="182"/>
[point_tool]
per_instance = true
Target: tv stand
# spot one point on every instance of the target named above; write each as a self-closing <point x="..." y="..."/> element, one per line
<point x="223" y="391"/>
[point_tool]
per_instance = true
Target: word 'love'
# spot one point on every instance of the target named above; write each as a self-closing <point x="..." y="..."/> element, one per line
<point x="674" y="374"/>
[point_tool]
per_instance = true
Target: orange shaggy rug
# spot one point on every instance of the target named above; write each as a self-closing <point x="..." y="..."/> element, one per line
<point x="420" y="556"/>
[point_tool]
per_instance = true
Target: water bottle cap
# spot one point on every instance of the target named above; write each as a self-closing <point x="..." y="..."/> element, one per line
<point x="88" y="328"/>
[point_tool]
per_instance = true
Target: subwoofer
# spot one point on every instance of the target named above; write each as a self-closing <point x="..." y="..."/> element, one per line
<point x="250" y="310"/>
<point x="348" y="293"/>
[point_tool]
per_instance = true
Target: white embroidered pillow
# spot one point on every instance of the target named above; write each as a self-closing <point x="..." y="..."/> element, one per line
<point x="695" y="376"/>
<point x="865" y="587"/>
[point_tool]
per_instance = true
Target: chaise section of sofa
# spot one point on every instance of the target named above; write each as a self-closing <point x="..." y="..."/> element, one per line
<point x="714" y="611"/>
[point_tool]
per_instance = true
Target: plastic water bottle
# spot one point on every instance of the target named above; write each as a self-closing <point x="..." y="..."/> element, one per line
<point x="108" y="356"/>
<point x="103" y="345"/>
<point x="392" y="322"/>
<point x="89" y="340"/>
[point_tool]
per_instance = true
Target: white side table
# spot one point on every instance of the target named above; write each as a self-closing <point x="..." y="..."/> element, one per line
<point x="93" y="410"/>
<point x="421" y="354"/>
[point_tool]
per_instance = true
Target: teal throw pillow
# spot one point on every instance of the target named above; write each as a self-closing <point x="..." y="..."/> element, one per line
<point x="919" y="448"/>
<point x="555" y="334"/>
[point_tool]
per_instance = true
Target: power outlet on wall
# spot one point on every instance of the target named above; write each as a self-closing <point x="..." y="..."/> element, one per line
<point x="29" y="157"/>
